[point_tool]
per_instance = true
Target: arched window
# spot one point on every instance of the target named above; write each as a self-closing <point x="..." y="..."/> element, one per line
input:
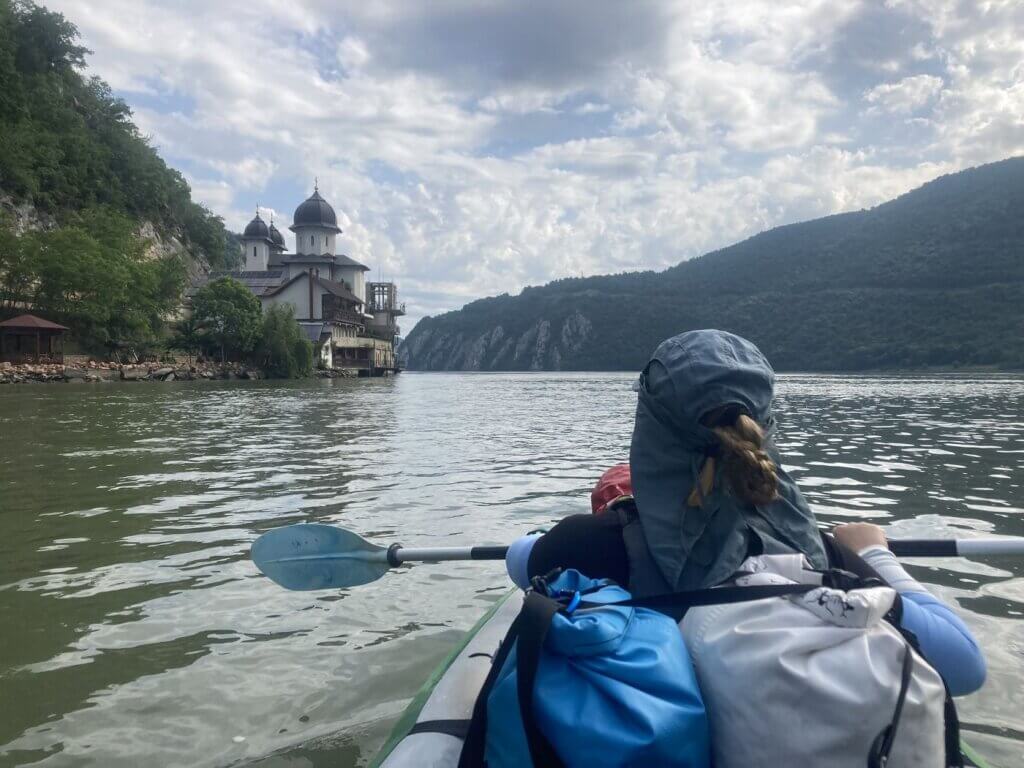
<point x="312" y="240"/>
<point x="254" y="251"/>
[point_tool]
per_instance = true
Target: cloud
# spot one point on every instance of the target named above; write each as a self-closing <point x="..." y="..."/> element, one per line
<point x="905" y="96"/>
<point x="473" y="147"/>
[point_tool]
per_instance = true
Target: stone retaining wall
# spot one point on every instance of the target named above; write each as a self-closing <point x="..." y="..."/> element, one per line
<point x="100" y="371"/>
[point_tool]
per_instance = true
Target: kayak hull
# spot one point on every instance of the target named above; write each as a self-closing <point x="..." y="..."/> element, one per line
<point x="448" y="696"/>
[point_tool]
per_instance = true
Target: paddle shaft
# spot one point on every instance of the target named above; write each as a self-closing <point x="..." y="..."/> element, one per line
<point x="899" y="547"/>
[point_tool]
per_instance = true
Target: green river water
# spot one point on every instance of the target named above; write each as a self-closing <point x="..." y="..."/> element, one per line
<point x="135" y="630"/>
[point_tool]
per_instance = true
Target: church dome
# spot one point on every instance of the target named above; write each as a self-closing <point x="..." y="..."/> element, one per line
<point x="315" y="212"/>
<point x="257" y="229"/>
<point x="275" y="236"/>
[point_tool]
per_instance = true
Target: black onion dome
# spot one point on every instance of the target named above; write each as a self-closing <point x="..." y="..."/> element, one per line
<point x="257" y="229"/>
<point x="315" y="212"/>
<point x="275" y="236"/>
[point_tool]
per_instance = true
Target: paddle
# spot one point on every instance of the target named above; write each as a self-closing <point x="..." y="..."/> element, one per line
<point x="316" y="556"/>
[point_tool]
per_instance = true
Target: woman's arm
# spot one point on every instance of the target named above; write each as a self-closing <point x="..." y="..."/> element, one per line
<point x="590" y="544"/>
<point x="943" y="638"/>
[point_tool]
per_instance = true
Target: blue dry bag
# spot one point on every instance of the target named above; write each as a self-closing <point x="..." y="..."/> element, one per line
<point x="591" y="686"/>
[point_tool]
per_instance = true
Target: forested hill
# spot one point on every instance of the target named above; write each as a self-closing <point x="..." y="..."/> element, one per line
<point x="932" y="278"/>
<point x="96" y="232"/>
<point x="68" y="147"/>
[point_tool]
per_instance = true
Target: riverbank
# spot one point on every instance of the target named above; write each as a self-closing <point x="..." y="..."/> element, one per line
<point x="94" y="371"/>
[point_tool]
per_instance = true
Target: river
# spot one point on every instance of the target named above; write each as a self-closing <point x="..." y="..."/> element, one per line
<point x="137" y="632"/>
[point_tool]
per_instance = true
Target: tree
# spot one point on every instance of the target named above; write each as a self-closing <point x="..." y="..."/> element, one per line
<point x="188" y="336"/>
<point x="67" y="142"/>
<point x="230" y="314"/>
<point x="283" y="351"/>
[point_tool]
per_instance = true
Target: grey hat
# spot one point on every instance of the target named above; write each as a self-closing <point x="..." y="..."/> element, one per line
<point x="689" y="376"/>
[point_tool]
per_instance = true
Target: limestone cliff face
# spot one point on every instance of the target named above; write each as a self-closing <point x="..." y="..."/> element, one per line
<point x="545" y="345"/>
<point x="24" y="217"/>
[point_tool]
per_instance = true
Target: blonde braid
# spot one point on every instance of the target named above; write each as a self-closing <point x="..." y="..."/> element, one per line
<point x="747" y="466"/>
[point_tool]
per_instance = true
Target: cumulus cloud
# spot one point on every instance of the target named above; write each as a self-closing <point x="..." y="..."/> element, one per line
<point x="905" y="96"/>
<point x="472" y="147"/>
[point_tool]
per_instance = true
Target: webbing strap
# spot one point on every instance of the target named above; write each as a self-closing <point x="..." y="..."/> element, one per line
<point x="537" y="613"/>
<point x="457" y="728"/>
<point x="878" y="756"/>
<point x="473" y="749"/>
<point x="714" y="596"/>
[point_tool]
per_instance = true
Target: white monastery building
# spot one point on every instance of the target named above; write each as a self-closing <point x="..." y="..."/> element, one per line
<point x="350" y="320"/>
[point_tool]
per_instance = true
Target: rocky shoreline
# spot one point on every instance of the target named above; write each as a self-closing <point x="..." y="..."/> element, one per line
<point x="94" y="371"/>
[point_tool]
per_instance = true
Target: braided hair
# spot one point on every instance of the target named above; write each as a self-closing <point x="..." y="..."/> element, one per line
<point x="746" y="465"/>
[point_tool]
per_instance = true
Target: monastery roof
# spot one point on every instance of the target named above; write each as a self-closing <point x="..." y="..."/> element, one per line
<point x="337" y="289"/>
<point x="340" y="259"/>
<point x="315" y="212"/>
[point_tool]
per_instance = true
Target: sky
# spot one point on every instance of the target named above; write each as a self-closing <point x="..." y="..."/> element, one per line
<point x="472" y="148"/>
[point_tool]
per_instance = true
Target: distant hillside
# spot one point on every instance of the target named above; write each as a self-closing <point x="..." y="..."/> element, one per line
<point x="932" y="278"/>
<point x="68" y="145"/>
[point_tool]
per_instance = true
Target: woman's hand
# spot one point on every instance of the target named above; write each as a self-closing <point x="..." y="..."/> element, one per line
<point x="859" y="536"/>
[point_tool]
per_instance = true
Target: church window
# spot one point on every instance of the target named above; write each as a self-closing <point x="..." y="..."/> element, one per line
<point x="254" y="251"/>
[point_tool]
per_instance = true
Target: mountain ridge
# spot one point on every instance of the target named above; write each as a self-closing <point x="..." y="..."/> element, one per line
<point x="934" y="277"/>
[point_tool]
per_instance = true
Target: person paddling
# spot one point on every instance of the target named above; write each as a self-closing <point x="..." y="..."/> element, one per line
<point x="705" y="489"/>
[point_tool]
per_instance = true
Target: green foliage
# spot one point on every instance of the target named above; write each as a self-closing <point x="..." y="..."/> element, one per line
<point x="188" y="336"/>
<point x="230" y="316"/>
<point x="67" y="143"/>
<point x="95" y="280"/>
<point x="283" y="352"/>
<point x="934" y="278"/>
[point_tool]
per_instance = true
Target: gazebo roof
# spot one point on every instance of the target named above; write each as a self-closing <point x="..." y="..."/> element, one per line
<point x="32" y="323"/>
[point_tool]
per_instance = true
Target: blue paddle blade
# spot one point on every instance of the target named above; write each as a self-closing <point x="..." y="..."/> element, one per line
<point x="315" y="556"/>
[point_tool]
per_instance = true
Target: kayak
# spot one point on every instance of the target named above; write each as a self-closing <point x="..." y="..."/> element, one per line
<point x="429" y="733"/>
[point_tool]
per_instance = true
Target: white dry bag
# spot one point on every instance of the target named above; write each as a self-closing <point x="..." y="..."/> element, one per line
<point x="815" y="679"/>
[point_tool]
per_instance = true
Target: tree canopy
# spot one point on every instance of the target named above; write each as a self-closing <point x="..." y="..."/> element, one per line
<point x="229" y="314"/>
<point x="283" y="352"/>
<point x="68" y="144"/>
<point x="94" y="278"/>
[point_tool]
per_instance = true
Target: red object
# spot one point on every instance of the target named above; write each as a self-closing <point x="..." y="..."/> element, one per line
<point x="614" y="483"/>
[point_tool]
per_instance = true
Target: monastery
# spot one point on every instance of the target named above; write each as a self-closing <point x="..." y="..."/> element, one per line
<point x="351" y="321"/>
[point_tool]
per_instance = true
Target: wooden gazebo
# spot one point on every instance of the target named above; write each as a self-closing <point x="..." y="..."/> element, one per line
<point x="29" y="338"/>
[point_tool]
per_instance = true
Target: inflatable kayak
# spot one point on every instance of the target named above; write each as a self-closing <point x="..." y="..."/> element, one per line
<point x="429" y="733"/>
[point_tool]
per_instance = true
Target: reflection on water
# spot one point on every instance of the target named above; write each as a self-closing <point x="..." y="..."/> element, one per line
<point x="137" y="631"/>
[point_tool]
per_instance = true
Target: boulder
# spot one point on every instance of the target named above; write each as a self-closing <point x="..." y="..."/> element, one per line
<point x="129" y="373"/>
<point x="159" y="373"/>
<point x="75" y="373"/>
<point x="169" y="377"/>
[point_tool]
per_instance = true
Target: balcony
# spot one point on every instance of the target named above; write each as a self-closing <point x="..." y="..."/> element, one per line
<point x="344" y="316"/>
<point x="382" y="332"/>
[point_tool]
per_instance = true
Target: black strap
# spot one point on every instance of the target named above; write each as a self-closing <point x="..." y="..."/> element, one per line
<point x="457" y="728"/>
<point x="537" y="613"/>
<point x="715" y="596"/>
<point x="472" y="755"/>
<point x="954" y="757"/>
<point x="951" y="720"/>
<point x="882" y="745"/>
